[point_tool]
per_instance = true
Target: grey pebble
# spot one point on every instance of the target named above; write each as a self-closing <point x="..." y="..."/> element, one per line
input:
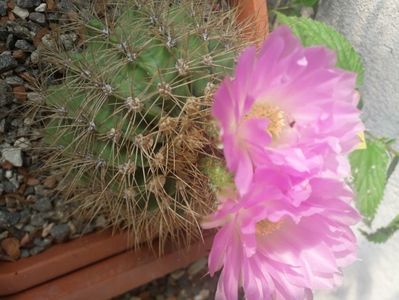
<point x="13" y="155"/>
<point x="42" y="242"/>
<point x="25" y="253"/>
<point x="3" y="8"/>
<point x="20" y="31"/>
<point x="3" y="235"/>
<point x="36" y="250"/>
<point x="197" y="266"/>
<point x="3" y="33"/>
<point x="41" y="8"/>
<point x="5" y="94"/>
<point x="22" y="143"/>
<point x="28" y="3"/>
<point x="9" y="187"/>
<point x="43" y="205"/>
<point x="15" y="182"/>
<point x="68" y="40"/>
<point x="60" y="232"/>
<point x="38" y="17"/>
<point x="65" y="5"/>
<point x="20" y="12"/>
<point x="7" y="62"/>
<point x="24" y="216"/>
<point x="8" y="174"/>
<point x="37" y="220"/>
<point x="14" y="80"/>
<point x="35" y="57"/>
<point x="24" y="45"/>
<point x="29" y="191"/>
<point x="30" y="228"/>
<point x="10" y="41"/>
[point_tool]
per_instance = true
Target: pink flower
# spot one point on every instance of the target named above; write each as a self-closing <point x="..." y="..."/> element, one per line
<point x="287" y="105"/>
<point x="281" y="240"/>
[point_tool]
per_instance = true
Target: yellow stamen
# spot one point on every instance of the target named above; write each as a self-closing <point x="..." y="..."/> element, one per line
<point x="275" y="116"/>
<point x="265" y="227"/>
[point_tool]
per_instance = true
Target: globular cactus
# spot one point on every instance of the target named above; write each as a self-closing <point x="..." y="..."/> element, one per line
<point x="128" y="125"/>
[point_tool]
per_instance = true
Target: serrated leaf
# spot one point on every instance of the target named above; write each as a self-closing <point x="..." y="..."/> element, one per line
<point x="369" y="169"/>
<point x="314" y="33"/>
<point x="382" y="234"/>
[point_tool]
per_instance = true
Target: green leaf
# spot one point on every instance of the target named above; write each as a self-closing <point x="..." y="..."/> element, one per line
<point x="313" y="33"/>
<point x="382" y="234"/>
<point x="369" y="169"/>
<point x="310" y="3"/>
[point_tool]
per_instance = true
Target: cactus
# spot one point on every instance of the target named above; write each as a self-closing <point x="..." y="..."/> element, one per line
<point x="128" y="124"/>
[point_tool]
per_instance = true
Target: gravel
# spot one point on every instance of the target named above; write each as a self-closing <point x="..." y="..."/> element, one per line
<point x="38" y="18"/>
<point x="28" y="3"/>
<point x="3" y="8"/>
<point x="20" y="12"/>
<point x="7" y="62"/>
<point x="12" y="155"/>
<point x="24" y="45"/>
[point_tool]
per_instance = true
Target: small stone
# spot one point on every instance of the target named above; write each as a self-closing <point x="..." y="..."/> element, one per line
<point x="18" y="54"/>
<point x="11" y="247"/>
<point x="30" y="228"/>
<point x="197" y="267"/>
<point x="26" y="239"/>
<point x="10" y="42"/>
<point x="203" y="295"/>
<point x="42" y="242"/>
<point x="24" y="45"/>
<point x="68" y="40"/>
<point x="22" y="143"/>
<point x="35" y="57"/>
<point x="3" y="235"/>
<point x="14" y="80"/>
<point x="307" y="11"/>
<point x="37" y="220"/>
<point x="38" y="17"/>
<point x="25" y="253"/>
<point x="65" y="5"/>
<point x="12" y="155"/>
<point x="50" y="182"/>
<point x="60" y="232"/>
<point x="41" y="8"/>
<point x="47" y="229"/>
<point x="19" y="93"/>
<point x="7" y="62"/>
<point x="34" y="97"/>
<point x="32" y="181"/>
<point x="177" y="275"/>
<point x="36" y="250"/>
<point x="20" y="12"/>
<point x="51" y="5"/>
<point x="48" y="41"/>
<point x="8" y="174"/>
<point x="43" y="205"/>
<point x="101" y="222"/>
<point x="3" y="8"/>
<point x="9" y="187"/>
<point x="28" y="3"/>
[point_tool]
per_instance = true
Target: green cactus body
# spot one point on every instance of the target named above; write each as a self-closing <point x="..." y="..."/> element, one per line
<point x="129" y="120"/>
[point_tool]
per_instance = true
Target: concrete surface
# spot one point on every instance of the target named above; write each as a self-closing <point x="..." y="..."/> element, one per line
<point x="373" y="28"/>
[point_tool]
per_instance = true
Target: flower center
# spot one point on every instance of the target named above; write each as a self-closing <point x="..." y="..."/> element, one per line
<point x="272" y="113"/>
<point x="265" y="227"/>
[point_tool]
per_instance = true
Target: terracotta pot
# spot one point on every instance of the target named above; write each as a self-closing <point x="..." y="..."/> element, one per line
<point x="100" y="265"/>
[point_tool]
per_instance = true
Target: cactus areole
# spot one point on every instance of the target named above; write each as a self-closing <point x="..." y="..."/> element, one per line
<point x="128" y="126"/>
